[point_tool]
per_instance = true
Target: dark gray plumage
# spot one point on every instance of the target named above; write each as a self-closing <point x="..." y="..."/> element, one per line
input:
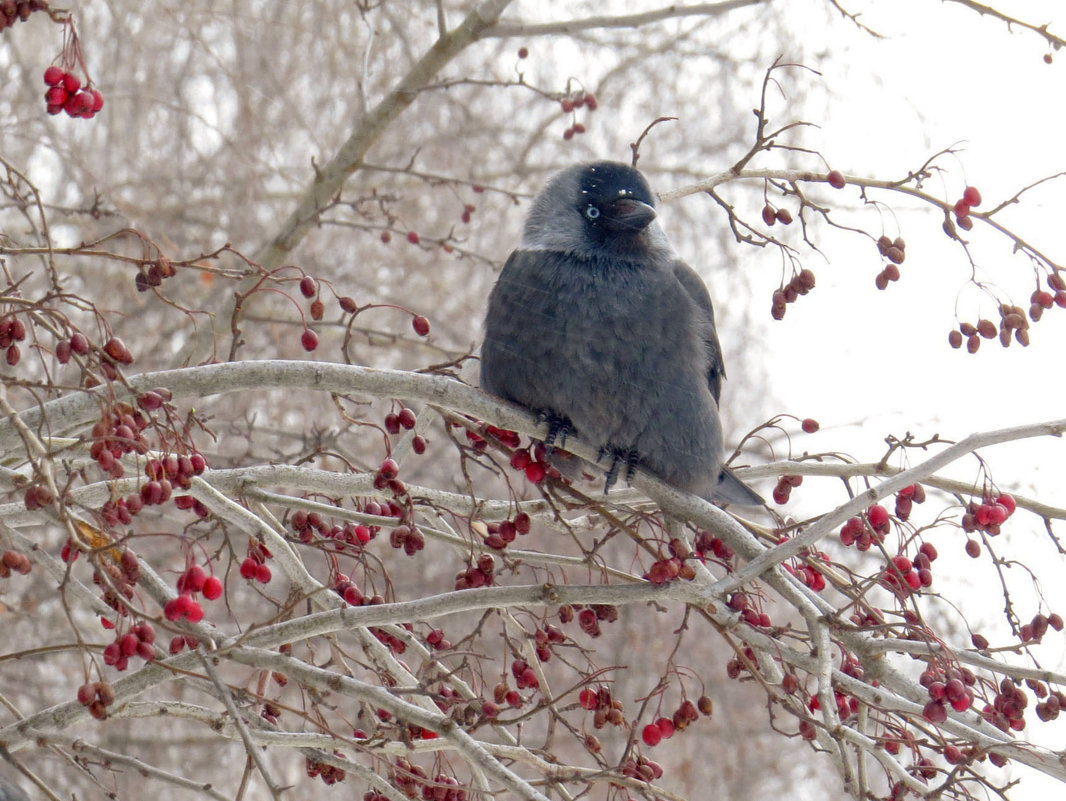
<point x="596" y="324"/>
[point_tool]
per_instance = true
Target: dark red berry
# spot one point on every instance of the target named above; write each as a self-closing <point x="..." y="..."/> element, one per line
<point x="421" y="325"/>
<point x="835" y="178"/>
<point x="309" y="340"/>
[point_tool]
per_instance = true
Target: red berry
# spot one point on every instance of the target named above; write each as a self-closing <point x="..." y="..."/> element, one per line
<point x="71" y="83"/>
<point x="962" y="210"/>
<point x="212" y="588"/>
<point x="666" y="727"/>
<point x="262" y="574"/>
<point x="810" y="425"/>
<point x="590" y="102"/>
<point x="79" y="344"/>
<point x="651" y="735"/>
<point x="835" y="178"/>
<point x="421" y="325"/>
<point x="535" y="472"/>
<point x="971" y="196"/>
<point x="309" y="340"/>
<point x="523" y="52"/>
<point x="769" y="216"/>
<point x="389" y="469"/>
<point x="413" y="238"/>
<point x="877" y="515"/>
<point x="973" y="548"/>
<point x="308" y="286"/>
<point x="56" y="96"/>
<point x="53" y="75"/>
<point x="98" y="100"/>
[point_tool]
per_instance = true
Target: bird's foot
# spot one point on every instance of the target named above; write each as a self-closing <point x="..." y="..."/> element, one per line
<point x="618" y="458"/>
<point x="559" y="428"/>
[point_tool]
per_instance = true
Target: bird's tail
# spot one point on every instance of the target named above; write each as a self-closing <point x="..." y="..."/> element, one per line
<point x="731" y="489"/>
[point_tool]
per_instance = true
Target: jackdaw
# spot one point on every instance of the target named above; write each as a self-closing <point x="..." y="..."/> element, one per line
<point x="597" y="326"/>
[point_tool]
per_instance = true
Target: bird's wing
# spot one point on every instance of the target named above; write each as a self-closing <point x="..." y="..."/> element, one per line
<point x="697" y="290"/>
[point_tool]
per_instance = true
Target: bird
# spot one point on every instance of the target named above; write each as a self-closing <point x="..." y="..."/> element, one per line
<point x="596" y="325"/>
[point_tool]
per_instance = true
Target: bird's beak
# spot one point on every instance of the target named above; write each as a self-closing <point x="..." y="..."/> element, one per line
<point x="628" y="214"/>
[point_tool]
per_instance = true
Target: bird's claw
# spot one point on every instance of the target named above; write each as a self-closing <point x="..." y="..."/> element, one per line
<point x="617" y="458"/>
<point x="559" y="428"/>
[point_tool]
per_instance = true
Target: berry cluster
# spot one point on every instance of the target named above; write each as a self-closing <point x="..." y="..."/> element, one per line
<point x="545" y="638"/>
<point x="525" y="677"/>
<point x="499" y="535"/>
<point x="771" y="215"/>
<point x="533" y="461"/>
<point x="97" y="696"/>
<point x="1034" y="630"/>
<point x="195" y="579"/>
<point x="152" y="274"/>
<point x="570" y="103"/>
<point x="643" y="769"/>
<point x="906" y="498"/>
<point x="135" y="642"/>
<point x="808" y="573"/>
<point x="1012" y="319"/>
<point x="348" y="590"/>
<point x="179" y="643"/>
<point x="669" y="568"/>
<point x="306" y="524"/>
<point x="502" y="694"/>
<point x="1055" y="703"/>
<point x="801" y="283"/>
<point x="971" y="197"/>
<point x="12" y="11"/>
<point x="686" y="714"/>
<point x="783" y="490"/>
<point x="386" y="477"/>
<point x="707" y="544"/>
<point x="12" y="331"/>
<point x="481" y="574"/>
<point x="387" y="638"/>
<point x="183" y="607"/>
<point x="741" y="602"/>
<point x="414" y="782"/>
<point x="116" y="433"/>
<point x="863" y="533"/>
<point x="254" y="565"/>
<point x="328" y="773"/>
<point x="603" y="706"/>
<point x="405" y="418"/>
<point x="116" y="577"/>
<point x="14" y="562"/>
<point x="63" y="95"/>
<point x="988" y="515"/>
<point x="895" y="250"/>
<point x="904" y="575"/>
<point x="589" y="618"/>
<point x="409" y="538"/>
<point x="1007" y="710"/>
<point x="77" y="344"/>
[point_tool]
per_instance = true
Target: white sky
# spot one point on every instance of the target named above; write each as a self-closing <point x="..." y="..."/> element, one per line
<point x="867" y="363"/>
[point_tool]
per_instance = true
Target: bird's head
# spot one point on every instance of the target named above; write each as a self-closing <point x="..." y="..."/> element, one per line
<point x="592" y="208"/>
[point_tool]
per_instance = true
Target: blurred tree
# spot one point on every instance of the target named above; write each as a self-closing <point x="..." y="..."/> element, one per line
<point x="345" y="564"/>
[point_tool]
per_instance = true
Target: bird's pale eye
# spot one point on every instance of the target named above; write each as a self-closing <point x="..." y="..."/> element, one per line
<point x="591" y="212"/>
